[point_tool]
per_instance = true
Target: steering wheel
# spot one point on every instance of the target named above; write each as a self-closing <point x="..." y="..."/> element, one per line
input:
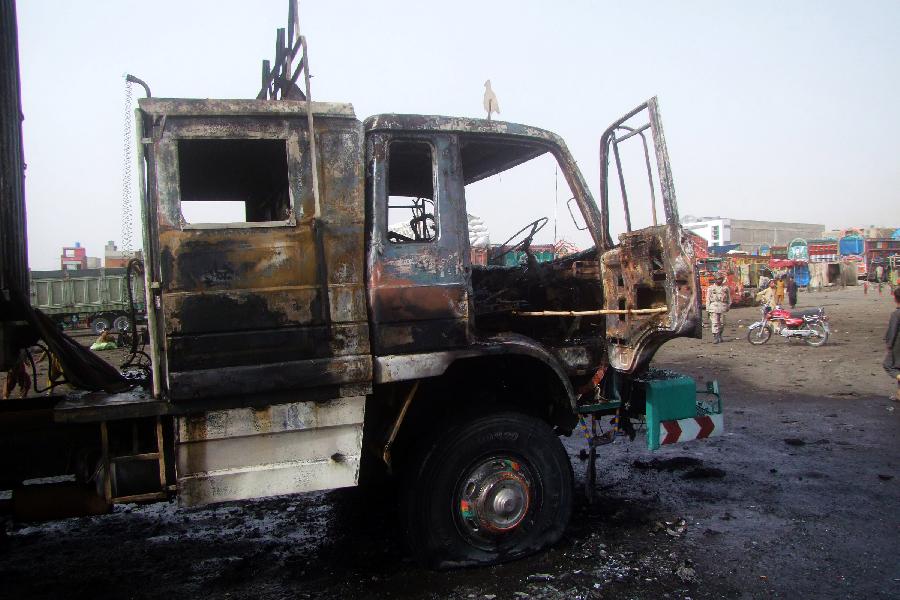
<point x="532" y="229"/>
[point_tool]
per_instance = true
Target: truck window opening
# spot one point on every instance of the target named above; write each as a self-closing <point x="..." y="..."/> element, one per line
<point x="509" y="185"/>
<point x="411" y="215"/>
<point x="233" y="181"/>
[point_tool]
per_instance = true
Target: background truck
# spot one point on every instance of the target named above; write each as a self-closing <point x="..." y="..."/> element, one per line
<point x="95" y="298"/>
<point x="305" y="343"/>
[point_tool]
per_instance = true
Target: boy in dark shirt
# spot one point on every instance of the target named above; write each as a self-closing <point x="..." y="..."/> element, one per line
<point x="892" y="341"/>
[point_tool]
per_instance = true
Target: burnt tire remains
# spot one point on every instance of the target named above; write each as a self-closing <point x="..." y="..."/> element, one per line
<point x="488" y="491"/>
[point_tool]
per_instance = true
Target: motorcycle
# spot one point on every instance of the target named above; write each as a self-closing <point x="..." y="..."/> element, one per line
<point x="811" y="324"/>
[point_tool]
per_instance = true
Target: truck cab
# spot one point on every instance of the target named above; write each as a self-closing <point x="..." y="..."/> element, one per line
<point x="312" y="297"/>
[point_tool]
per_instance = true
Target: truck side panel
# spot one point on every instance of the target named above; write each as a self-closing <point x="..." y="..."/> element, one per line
<point x="273" y="301"/>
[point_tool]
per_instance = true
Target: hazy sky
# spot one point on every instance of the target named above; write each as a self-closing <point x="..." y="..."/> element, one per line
<point x="773" y="110"/>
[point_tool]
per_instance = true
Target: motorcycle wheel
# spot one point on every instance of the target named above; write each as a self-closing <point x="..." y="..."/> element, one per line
<point x="759" y="336"/>
<point x="819" y="336"/>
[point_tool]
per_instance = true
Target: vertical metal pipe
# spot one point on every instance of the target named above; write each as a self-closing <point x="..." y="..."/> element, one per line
<point x="650" y="179"/>
<point x="615" y="145"/>
<point x="313" y="155"/>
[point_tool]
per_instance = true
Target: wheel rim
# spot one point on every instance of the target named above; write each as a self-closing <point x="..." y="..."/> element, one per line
<point x="493" y="498"/>
<point x="760" y="335"/>
<point x="819" y="336"/>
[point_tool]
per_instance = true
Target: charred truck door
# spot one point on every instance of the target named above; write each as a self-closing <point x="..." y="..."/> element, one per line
<point x="650" y="275"/>
<point x="257" y="294"/>
<point x="417" y="264"/>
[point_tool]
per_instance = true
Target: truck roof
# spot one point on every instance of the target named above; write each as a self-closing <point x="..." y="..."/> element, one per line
<point x="407" y="122"/>
<point x="241" y="107"/>
<point x="382" y="122"/>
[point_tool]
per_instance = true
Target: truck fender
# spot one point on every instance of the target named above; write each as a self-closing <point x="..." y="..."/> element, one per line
<point x="408" y="367"/>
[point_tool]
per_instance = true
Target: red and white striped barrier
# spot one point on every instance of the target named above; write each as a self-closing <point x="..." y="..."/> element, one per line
<point x="694" y="428"/>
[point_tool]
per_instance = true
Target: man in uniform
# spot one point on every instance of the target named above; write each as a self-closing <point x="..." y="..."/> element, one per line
<point x="718" y="301"/>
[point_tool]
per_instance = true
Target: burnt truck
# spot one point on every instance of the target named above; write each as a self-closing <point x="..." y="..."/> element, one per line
<point x="305" y="343"/>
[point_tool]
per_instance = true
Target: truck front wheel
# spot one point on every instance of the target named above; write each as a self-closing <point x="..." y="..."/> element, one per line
<point x="491" y="490"/>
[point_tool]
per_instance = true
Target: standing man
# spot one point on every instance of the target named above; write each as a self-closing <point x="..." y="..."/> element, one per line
<point x="718" y="301"/>
<point x="791" y="288"/>
<point x="779" y="291"/>
<point x="892" y="341"/>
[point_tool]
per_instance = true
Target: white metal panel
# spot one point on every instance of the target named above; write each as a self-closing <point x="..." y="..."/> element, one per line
<point x="283" y="449"/>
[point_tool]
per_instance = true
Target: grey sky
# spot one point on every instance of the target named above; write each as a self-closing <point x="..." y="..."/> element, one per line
<point x="772" y="110"/>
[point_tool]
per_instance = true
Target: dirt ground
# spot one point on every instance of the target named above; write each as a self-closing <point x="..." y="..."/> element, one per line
<point x="800" y="499"/>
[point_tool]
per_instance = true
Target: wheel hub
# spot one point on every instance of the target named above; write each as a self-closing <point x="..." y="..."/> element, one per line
<point x="495" y="496"/>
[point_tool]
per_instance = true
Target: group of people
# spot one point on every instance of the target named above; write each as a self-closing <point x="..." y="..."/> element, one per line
<point x="772" y="291"/>
<point x="718" y="302"/>
<point x="718" y="299"/>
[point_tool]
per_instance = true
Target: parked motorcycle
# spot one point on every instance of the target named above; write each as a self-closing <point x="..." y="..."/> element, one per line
<point x="811" y="324"/>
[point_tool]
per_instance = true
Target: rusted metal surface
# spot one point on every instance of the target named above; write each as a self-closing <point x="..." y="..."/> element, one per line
<point x="407" y="367"/>
<point x="258" y="306"/>
<point x="395" y="428"/>
<point x="418" y="291"/>
<point x="279" y="305"/>
<point x="651" y="268"/>
<point x="591" y="313"/>
<point x="279" y="449"/>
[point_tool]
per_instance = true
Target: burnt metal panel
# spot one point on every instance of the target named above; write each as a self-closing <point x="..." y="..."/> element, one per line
<point x="405" y="367"/>
<point x="260" y="307"/>
<point x="652" y="267"/>
<point x="237" y="348"/>
<point x="268" y="377"/>
<point x="419" y="292"/>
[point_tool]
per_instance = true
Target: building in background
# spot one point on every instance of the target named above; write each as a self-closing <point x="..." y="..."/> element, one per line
<point x="750" y="235"/>
<point x="73" y="258"/>
<point x="870" y="232"/>
<point x="113" y="257"/>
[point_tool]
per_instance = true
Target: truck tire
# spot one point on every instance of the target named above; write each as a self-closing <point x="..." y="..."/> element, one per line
<point x="490" y="490"/>
<point x="122" y="324"/>
<point x="98" y="324"/>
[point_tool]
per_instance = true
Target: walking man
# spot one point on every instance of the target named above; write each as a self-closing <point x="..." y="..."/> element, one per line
<point x="718" y="301"/>
<point x="892" y="341"/>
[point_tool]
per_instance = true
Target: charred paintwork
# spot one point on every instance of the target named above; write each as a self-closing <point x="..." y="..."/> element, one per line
<point x="651" y="267"/>
<point x="288" y="303"/>
<point x="419" y="292"/>
<point x="260" y="306"/>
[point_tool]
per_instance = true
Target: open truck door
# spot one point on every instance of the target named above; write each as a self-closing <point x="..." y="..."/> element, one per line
<point x="650" y="274"/>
